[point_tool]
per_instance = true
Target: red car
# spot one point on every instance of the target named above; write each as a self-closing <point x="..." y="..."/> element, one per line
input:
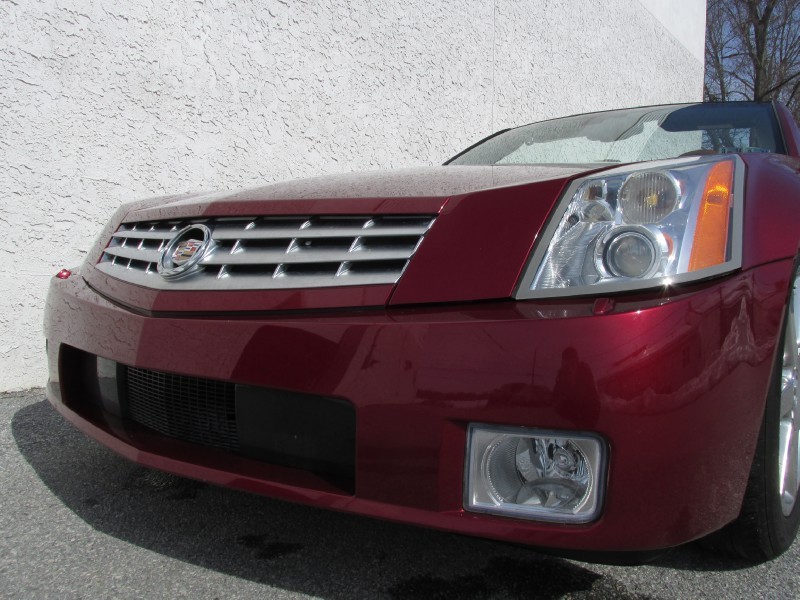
<point x="580" y="335"/>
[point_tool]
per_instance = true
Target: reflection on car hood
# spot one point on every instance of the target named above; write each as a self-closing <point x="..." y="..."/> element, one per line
<point x="426" y="182"/>
<point x="418" y="182"/>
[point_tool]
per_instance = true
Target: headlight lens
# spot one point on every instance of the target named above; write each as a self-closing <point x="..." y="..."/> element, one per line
<point x="647" y="226"/>
<point x="648" y="197"/>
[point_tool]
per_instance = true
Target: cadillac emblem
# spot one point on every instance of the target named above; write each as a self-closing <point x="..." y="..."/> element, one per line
<point x="184" y="252"/>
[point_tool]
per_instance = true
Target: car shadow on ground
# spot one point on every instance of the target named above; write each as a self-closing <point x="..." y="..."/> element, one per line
<point x="297" y="548"/>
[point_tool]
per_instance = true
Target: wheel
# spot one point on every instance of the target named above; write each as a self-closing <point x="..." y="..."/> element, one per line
<point x="770" y="515"/>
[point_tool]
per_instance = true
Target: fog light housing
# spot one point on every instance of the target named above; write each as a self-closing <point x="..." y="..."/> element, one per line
<point x="552" y="476"/>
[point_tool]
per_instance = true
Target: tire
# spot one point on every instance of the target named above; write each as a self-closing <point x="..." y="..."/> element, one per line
<point x="768" y="522"/>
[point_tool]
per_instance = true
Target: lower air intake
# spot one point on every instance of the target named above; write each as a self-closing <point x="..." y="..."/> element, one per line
<point x="192" y="409"/>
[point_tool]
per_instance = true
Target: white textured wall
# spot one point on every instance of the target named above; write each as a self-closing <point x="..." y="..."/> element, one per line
<point x="685" y="20"/>
<point x="102" y="101"/>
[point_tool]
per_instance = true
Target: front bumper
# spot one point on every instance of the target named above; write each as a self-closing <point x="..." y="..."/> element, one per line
<point x="674" y="384"/>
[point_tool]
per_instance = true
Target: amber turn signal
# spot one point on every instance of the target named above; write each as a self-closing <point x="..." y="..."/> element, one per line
<point x="711" y="232"/>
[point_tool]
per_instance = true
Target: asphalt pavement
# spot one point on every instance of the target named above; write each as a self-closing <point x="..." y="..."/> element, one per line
<point x="77" y="521"/>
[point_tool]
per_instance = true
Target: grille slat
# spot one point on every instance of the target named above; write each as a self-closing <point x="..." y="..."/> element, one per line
<point x="273" y="257"/>
<point x="274" y="252"/>
<point x="134" y="253"/>
<point x="145" y="235"/>
<point x="239" y="233"/>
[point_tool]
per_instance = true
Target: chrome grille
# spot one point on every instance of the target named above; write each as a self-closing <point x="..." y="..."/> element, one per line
<point x="273" y="252"/>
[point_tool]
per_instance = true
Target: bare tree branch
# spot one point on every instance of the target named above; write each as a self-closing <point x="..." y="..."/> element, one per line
<point x="753" y="51"/>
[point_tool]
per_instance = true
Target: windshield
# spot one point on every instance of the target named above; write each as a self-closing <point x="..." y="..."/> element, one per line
<point x="633" y="135"/>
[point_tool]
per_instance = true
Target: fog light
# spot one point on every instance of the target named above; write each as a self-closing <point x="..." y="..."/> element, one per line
<point x="532" y="474"/>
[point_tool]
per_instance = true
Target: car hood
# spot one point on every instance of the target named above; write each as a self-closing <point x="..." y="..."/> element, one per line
<point x="364" y="190"/>
<point x="487" y="221"/>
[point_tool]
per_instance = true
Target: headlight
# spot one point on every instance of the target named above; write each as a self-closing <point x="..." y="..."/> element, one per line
<point x="641" y="227"/>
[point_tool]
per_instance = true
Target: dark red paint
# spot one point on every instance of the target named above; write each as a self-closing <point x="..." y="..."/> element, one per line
<point x="771" y="226"/>
<point x="791" y="132"/>
<point x="475" y="251"/>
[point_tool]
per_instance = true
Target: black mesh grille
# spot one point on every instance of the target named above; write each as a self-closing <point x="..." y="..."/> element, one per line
<point x="201" y="411"/>
<point x="301" y="431"/>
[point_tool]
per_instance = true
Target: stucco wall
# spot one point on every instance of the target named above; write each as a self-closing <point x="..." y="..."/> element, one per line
<point x="102" y="101"/>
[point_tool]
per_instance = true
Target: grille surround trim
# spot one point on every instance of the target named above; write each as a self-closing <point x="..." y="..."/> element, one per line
<point x="272" y="253"/>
